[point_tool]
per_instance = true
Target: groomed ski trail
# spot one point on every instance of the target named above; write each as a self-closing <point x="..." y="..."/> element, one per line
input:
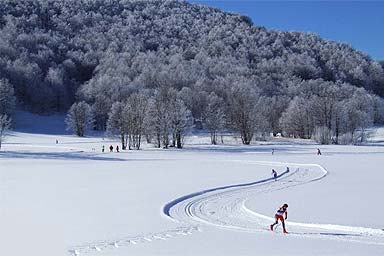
<point x="226" y="207"/>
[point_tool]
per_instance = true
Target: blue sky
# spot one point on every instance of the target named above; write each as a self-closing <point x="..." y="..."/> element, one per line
<point x="358" y="23"/>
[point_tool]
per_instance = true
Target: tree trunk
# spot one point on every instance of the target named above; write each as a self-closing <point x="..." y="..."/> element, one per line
<point x="123" y="146"/>
<point x="337" y="131"/>
<point x="138" y="141"/>
<point x="158" y="140"/>
<point x="178" y="140"/>
<point x="213" y="138"/>
<point x="130" y="142"/>
<point x="174" y="138"/>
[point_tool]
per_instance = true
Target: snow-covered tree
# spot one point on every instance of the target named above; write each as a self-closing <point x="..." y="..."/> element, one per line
<point x="158" y="120"/>
<point x="243" y="114"/>
<point x="79" y="118"/>
<point x="357" y="115"/>
<point x="7" y="98"/>
<point x="296" y="121"/>
<point x="5" y="125"/>
<point x="322" y="135"/>
<point x="135" y="113"/>
<point x="117" y="123"/>
<point x="181" y="121"/>
<point x="214" y="116"/>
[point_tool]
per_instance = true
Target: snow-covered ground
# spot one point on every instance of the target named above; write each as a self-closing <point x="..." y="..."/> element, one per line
<point x="71" y="199"/>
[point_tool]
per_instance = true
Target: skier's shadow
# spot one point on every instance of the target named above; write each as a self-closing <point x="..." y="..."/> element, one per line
<point x="326" y="234"/>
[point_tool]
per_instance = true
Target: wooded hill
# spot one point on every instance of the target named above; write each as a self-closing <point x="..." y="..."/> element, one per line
<point x="54" y="53"/>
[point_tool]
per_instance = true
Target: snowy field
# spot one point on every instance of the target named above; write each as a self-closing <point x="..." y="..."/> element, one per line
<point x="71" y="199"/>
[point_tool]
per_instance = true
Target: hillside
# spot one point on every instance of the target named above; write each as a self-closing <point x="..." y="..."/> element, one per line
<point x="50" y="48"/>
<point x="54" y="53"/>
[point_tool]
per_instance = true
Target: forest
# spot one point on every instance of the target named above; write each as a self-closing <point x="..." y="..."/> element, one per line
<point x="155" y="69"/>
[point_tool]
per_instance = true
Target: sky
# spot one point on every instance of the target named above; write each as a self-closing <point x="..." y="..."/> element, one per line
<point x="357" y="23"/>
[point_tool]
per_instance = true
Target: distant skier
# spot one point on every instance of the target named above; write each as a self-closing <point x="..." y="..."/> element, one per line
<point x="287" y="169"/>
<point x="274" y="174"/>
<point x="318" y="152"/>
<point x="279" y="216"/>
<point x="111" y="148"/>
<point x="102" y="148"/>
<point x="117" y="148"/>
<point x="273" y="151"/>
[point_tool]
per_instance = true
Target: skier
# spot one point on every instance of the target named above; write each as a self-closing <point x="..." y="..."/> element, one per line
<point x="111" y="148"/>
<point x="117" y="148"/>
<point x="102" y="148"/>
<point x="318" y="152"/>
<point x="279" y="216"/>
<point x="287" y="169"/>
<point x="274" y="174"/>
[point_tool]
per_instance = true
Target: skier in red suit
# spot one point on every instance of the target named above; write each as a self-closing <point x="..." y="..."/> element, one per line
<point x="280" y="216"/>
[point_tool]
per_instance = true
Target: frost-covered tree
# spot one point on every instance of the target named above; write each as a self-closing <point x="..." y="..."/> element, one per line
<point x="79" y="118"/>
<point x="158" y="121"/>
<point x="322" y="134"/>
<point x="378" y="107"/>
<point x="127" y="120"/>
<point x="60" y="97"/>
<point x="296" y="121"/>
<point x="118" y="123"/>
<point x="5" y="125"/>
<point x="7" y="98"/>
<point x="181" y="122"/>
<point x="167" y="119"/>
<point x="242" y="111"/>
<point x="135" y="113"/>
<point x="196" y="101"/>
<point x="357" y="115"/>
<point x="214" y="116"/>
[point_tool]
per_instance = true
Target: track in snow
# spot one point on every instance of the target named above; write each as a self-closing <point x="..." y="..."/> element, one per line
<point x="226" y="207"/>
<point x="109" y="245"/>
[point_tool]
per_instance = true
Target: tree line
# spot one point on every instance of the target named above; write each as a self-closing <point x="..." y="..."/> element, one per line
<point x="316" y="109"/>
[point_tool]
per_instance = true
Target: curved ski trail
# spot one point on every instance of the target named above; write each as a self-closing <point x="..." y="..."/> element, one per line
<point x="226" y="207"/>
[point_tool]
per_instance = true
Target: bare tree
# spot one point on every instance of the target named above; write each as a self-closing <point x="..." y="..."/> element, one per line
<point x="79" y="118"/>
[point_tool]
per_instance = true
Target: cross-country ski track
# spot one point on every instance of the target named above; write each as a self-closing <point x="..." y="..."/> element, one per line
<point x="227" y="207"/>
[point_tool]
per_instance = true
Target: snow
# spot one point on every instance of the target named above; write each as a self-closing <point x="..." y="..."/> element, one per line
<point x="71" y="199"/>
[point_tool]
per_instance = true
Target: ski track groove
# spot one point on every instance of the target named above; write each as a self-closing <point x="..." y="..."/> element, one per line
<point x="225" y="207"/>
